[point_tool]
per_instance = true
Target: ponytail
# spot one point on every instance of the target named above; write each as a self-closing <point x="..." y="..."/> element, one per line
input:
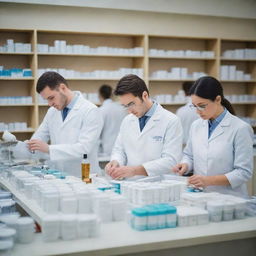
<point x="225" y="103"/>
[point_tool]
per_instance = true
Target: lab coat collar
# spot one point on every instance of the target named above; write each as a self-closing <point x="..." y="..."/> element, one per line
<point x="154" y="120"/>
<point x="219" y="129"/>
<point x="74" y="111"/>
<point x="107" y="101"/>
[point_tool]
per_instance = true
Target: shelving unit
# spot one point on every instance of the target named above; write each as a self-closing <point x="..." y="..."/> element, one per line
<point x="91" y="61"/>
<point x="248" y="65"/>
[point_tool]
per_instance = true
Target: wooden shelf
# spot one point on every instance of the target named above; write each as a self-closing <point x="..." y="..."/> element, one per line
<point x="238" y="81"/>
<point x="93" y="79"/>
<point x="180" y="58"/>
<point x="173" y="104"/>
<point x="35" y="60"/>
<point x="169" y="80"/>
<point x="17" y="53"/>
<point x="91" y="55"/>
<point x="243" y="103"/>
<point x="236" y="59"/>
<point x="27" y="131"/>
<point x="16" y="78"/>
<point x="17" y="105"/>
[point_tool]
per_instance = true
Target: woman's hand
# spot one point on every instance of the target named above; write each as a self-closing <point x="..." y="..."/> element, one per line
<point x="180" y="168"/>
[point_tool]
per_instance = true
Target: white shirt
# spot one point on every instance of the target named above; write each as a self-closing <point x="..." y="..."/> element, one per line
<point x="228" y="151"/>
<point x="77" y="135"/>
<point x="158" y="147"/>
<point x="113" y="115"/>
<point x="187" y="117"/>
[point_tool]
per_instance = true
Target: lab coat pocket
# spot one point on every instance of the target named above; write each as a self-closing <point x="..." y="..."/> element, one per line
<point x="157" y="144"/>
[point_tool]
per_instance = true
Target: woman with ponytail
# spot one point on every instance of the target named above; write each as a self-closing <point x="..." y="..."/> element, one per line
<point x="220" y="145"/>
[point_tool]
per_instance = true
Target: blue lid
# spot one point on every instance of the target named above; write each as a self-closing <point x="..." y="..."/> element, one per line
<point x="171" y="209"/>
<point x="140" y="212"/>
<point x="152" y="210"/>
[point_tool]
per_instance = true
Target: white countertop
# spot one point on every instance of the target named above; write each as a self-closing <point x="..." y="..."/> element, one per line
<point x="118" y="238"/>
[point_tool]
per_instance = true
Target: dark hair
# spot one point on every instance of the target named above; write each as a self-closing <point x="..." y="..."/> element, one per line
<point x="186" y="87"/>
<point x="131" y="84"/>
<point x="208" y="87"/>
<point x="51" y="79"/>
<point x="105" y="91"/>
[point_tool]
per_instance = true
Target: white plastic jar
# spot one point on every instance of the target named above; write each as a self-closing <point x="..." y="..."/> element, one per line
<point x="215" y="209"/>
<point x="51" y="228"/>
<point x="50" y="201"/>
<point x="68" y="203"/>
<point x="228" y="211"/>
<point x="171" y="216"/>
<point x="6" y="247"/>
<point x="68" y="227"/>
<point x="7" y="234"/>
<point x="139" y="219"/>
<point x="84" y="201"/>
<point x="118" y="205"/>
<point x="25" y="230"/>
<point x="240" y="209"/>
<point x="152" y="218"/>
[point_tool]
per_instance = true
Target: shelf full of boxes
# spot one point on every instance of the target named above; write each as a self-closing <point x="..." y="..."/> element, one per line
<point x="88" y="60"/>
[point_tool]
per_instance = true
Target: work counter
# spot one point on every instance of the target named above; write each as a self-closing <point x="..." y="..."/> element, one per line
<point x="117" y="238"/>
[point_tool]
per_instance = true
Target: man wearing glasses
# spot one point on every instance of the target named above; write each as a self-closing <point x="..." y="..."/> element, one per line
<point x="150" y="137"/>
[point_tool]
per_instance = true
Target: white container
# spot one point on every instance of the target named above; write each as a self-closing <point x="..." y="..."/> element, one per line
<point x="25" y="230"/>
<point x="7" y="234"/>
<point x="84" y="222"/>
<point x="11" y="221"/>
<point x="240" y="209"/>
<point x="102" y="207"/>
<point x="215" y="210"/>
<point x="51" y="228"/>
<point x="84" y="201"/>
<point x="50" y="203"/>
<point x="228" y="211"/>
<point x="68" y="227"/>
<point x="118" y="205"/>
<point x="68" y="204"/>
<point x="5" y="247"/>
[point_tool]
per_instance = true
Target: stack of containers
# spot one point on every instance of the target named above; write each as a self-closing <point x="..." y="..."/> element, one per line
<point x="150" y="217"/>
<point x="144" y="193"/>
<point x="191" y="216"/>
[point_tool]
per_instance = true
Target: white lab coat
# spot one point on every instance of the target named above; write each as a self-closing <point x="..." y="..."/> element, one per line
<point x="113" y="115"/>
<point x="77" y="135"/>
<point x="158" y="147"/>
<point x="187" y="117"/>
<point x="228" y="151"/>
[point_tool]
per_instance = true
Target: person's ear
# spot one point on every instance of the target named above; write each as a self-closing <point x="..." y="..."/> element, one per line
<point x="62" y="87"/>
<point x="218" y="99"/>
<point x="144" y="95"/>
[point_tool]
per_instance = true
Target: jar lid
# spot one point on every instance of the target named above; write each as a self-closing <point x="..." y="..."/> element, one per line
<point x="5" y="245"/>
<point x="7" y="232"/>
<point x="140" y="212"/>
<point x="5" y="194"/>
<point x="25" y="221"/>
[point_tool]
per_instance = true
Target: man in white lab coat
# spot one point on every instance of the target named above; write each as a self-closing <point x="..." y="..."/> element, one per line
<point x="150" y="137"/>
<point x="185" y="113"/>
<point x="72" y="125"/>
<point x="113" y="114"/>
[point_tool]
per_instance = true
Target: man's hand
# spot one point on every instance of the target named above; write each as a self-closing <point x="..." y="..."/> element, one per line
<point x="111" y="166"/>
<point x="180" y="168"/>
<point x="39" y="145"/>
<point x="198" y="181"/>
<point x="122" y="172"/>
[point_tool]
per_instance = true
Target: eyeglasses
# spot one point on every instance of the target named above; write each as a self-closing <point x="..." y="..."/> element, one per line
<point x="199" y="108"/>
<point x="129" y="105"/>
